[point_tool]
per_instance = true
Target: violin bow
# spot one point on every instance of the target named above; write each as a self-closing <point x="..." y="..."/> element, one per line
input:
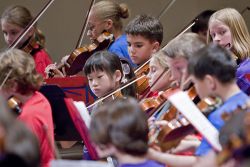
<point x="28" y="27"/>
<point x="5" y="79"/>
<point x="165" y="9"/>
<point x="83" y="31"/>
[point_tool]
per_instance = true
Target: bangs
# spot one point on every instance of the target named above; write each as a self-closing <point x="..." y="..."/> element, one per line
<point x="99" y="61"/>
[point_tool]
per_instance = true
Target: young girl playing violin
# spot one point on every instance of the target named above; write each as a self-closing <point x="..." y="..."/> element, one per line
<point x="104" y="72"/>
<point x="107" y="16"/>
<point x="228" y="29"/>
<point x="159" y="73"/>
<point x="144" y="37"/>
<point x="13" y="21"/>
<point x="21" y="80"/>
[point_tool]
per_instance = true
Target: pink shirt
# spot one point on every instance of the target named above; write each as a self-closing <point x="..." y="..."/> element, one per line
<point x="37" y="115"/>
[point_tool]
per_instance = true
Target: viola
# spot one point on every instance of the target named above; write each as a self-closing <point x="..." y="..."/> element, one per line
<point x="79" y="56"/>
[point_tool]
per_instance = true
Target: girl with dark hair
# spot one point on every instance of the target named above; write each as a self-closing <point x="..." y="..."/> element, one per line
<point x="105" y="74"/>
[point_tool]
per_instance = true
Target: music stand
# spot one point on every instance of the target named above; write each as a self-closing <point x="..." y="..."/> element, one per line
<point x="65" y="129"/>
<point x="69" y="126"/>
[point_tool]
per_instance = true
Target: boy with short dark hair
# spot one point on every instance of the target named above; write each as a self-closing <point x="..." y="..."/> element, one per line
<point x="212" y="71"/>
<point x="144" y="36"/>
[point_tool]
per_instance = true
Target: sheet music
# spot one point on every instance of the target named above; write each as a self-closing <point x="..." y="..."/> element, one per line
<point x="83" y="112"/>
<point x="186" y="106"/>
<point x="78" y="163"/>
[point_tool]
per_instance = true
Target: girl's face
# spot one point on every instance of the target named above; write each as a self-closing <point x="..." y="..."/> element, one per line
<point x="95" y="27"/>
<point x="101" y="83"/>
<point x="12" y="31"/>
<point x="220" y="34"/>
<point x="178" y="68"/>
<point x="155" y="70"/>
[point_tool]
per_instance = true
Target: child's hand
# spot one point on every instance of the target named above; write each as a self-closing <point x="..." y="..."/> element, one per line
<point x="64" y="60"/>
<point x="51" y="70"/>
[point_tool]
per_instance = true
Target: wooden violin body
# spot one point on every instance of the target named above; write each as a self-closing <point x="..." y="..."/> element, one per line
<point x="31" y="45"/>
<point x="177" y="126"/>
<point x="142" y="85"/>
<point x="79" y="56"/>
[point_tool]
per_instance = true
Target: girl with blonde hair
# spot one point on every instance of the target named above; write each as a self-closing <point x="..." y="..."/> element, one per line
<point x="228" y="29"/>
<point x="107" y="16"/>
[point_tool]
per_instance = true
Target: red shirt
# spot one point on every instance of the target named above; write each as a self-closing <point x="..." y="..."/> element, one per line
<point x="42" y="60"/>
<point x="37" y="115"/>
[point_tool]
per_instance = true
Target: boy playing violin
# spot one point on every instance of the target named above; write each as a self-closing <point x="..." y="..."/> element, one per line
<point x="213" y="71"/>
<point x="144" y="37"/>
<point x="177" y="53"/>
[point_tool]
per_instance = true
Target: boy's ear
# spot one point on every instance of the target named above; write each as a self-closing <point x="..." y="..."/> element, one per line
<point x="108" y="24"/>
<point x="210" y="82"/>
<point x="156" y="46"/>
<point x="118" y="76"/>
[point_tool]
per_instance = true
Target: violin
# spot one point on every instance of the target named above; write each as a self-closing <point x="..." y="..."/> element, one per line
<point x="142" y="85"/>
<point x="178" y="126"/>
<point x="14" y="104"/>
<point x="79" y="56"/>
<point x="31" y="45"/>
<point x="150" y="105"/>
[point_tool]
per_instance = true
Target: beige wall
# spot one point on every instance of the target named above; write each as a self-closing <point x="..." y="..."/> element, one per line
<point x="62" y="22"/>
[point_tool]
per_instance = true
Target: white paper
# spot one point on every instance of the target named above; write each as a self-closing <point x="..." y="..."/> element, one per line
<point x="186" y="106"/>
<point x="83" y="112"/>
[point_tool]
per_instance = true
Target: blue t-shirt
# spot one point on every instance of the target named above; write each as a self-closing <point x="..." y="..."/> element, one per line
<point x="120" y="47"/>
<point x="229" y="105"/>
<point x="148" y="163"/>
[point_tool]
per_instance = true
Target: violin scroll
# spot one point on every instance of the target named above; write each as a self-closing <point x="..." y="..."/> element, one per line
<point x="14" y="104"/>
